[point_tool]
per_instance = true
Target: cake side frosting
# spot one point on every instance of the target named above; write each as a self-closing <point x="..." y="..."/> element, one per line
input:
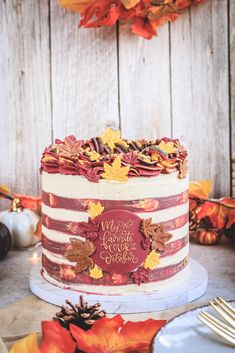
<point x="66" y="202"/>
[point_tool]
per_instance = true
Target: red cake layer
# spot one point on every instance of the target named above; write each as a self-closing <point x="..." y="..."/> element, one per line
<point x="72" y="228"/>
<point x="144" y="205"/>
<point x="65" y="274"/>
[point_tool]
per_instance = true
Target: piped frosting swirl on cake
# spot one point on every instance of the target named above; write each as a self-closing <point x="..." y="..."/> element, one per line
<point x="113" y="158"/>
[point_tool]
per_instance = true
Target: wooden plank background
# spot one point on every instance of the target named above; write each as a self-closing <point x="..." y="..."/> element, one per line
<point x="56" y="79"/>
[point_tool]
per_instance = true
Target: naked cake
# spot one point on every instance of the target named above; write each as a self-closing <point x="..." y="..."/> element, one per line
<point x="115" y="213"/>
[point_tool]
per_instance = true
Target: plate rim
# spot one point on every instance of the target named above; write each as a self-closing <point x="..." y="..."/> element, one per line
<point x="177" y="316"/>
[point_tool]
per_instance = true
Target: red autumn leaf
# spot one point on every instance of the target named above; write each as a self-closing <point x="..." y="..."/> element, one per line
<point x="56" y="338"/>
<point x="31" y="202"/>
<point x="116" y="336"/>
<point x="143" y="28"/>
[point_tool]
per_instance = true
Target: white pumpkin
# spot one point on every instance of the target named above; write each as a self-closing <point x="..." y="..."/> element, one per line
<point x="22" y="223"/>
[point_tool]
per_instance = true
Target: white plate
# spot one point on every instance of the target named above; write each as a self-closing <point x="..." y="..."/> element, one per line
<point x="186" y="334"/>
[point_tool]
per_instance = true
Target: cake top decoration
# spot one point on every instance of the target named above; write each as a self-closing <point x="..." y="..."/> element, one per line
<point x="111" y="157"/>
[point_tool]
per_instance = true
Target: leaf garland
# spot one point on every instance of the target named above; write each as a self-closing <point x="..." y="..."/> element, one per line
<point x="145" y="16"/>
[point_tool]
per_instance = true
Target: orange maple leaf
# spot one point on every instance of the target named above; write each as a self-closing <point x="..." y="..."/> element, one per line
<point x="116" y="336"/>
<point x="55" y="339"/>
<point x="115" y="171"/>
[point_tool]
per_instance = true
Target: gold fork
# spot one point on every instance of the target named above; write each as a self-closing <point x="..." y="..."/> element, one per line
<point x="225" y="310"/>
<point x="222" y="329"/>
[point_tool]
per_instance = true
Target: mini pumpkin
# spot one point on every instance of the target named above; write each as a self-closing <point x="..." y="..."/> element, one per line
<point x="208" y="236"/>
<point x="22" y="224"/>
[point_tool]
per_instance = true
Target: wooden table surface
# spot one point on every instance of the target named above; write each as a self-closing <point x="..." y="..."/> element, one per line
<point x="219" y="260"/>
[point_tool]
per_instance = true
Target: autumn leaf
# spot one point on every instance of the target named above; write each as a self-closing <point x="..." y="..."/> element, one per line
<point x="96" y="272"/>
<point x="130" y="3"/>
<point x="167" y="147"/>
<point x="183" y="169"/>
<point x="76" y="5"/>
<point x="95" y="209"/>
<point x="148" y="228"/>
<point x="110" y="137"/>
<point x="79" y="252"/>
<point x="55" y="339"/>
<point x="152" y="260"/>
<point x="200" y="189"/>
<point x="28" y="344"/>
<point x="116" y="336"/>
<point x="115" y="171"/>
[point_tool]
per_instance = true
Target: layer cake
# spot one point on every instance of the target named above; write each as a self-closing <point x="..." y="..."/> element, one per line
<point x="115" y="213"/>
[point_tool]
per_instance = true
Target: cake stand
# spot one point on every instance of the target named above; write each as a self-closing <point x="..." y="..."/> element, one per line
<point x="188" y="289"/>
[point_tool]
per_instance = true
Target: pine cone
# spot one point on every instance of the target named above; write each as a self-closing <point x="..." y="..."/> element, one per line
<point x="81" y="315"/>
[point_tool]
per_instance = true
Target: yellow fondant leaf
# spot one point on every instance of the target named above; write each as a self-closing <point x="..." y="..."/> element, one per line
<point x="93" y="155"/>
<point x="96" y="272"/>
<point x="26" y="345"/>
<point x="130" y="3"/>
<point x="115" y="171"/>
<point x="167" y="147"/>
<point x="152" y="260"/>
<point x="110" y="137"/>
<point x="95" y="209"/>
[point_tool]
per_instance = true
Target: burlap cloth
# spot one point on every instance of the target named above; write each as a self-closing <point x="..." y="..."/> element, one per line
<point x="25" y="316"/>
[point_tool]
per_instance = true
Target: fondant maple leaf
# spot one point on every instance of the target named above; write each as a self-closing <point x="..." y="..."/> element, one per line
<point x="110" y="137"/>
<point x="167" y="147"/>
<point x="160" y="238"/>
<point x="152" y="260"/>
<point x="95" y="209"/>
<point x="148" y="228"/>
<point x="79" y="252"/>
<point x="183" y="169"/>
<point x="115" y="171"/>
<point x="70" y="147"/>
<point x="96" y="272"/>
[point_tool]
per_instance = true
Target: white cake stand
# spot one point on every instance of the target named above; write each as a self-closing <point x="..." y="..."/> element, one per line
<point x="188" y="289"/>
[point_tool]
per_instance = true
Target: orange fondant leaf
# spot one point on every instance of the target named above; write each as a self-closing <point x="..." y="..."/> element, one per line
<point x="95" y="209"/>
<point x="110" y="137"/>
<point x="167" y="147"/>
<point x="96" y="272"/>
<point x="116" y="336"/>
<point x="200" y="189"/>
<point x="152" y="260"/>
<point x="115" y="171"/>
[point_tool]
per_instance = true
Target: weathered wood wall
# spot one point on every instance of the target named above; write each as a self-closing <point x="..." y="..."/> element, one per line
<point x="56" y="79"/>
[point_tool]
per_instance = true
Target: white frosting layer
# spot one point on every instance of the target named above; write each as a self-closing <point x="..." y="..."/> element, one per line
<point x="164" y="262"/>
<point x="125" y="289"/>
<point x="75" y="186"/>
<point x="60" y="237"/>
<point x="74" y="216"/>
